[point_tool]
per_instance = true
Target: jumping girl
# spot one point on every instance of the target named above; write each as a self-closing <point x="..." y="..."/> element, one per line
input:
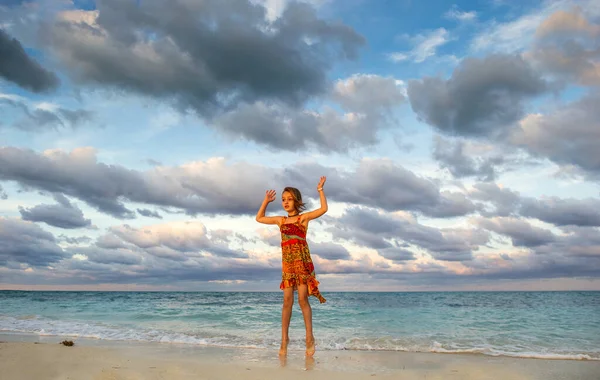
<point x="298" y="272"/>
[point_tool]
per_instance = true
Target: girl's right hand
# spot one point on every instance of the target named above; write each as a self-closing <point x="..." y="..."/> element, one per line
<point x="270" y="196"/>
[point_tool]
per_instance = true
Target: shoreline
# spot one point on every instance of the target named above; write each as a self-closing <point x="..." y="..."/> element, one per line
<point x="89" y="341"/>
<point x="24" y="357"/>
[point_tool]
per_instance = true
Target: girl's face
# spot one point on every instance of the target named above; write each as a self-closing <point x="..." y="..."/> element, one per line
<point x="287" y="201"/>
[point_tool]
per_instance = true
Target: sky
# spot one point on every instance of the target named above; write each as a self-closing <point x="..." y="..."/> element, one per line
<point x="460" y="141"/>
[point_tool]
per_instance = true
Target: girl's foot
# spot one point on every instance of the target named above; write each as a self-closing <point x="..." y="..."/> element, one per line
<point x="310" y="346"/>
<point x="283" y="348"/>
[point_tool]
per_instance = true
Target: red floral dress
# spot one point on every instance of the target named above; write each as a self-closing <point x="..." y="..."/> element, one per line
<point x="297" y="266"/>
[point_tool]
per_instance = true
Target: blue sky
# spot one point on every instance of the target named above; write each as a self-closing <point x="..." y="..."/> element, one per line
<point x="459" y="140"/>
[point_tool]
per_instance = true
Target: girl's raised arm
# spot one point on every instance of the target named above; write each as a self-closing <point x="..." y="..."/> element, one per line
<point x="260" y="215"/>
<point x="323" y="209"/>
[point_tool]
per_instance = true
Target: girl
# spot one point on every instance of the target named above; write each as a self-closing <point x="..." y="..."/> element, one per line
<point x="298" y="272"/>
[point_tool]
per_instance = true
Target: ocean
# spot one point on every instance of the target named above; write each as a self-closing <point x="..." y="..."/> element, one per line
<point x="548" y="325"/>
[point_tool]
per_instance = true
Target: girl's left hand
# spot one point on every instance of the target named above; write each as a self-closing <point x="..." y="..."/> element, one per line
<point x="321" y="182"/>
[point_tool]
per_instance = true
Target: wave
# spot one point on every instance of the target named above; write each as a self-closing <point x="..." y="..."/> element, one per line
<point x="37" y="325"/>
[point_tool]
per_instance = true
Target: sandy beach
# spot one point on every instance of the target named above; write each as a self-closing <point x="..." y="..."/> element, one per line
<point x="46" y="359"/>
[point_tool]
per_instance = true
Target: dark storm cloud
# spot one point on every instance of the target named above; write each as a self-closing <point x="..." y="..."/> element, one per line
<point x="62" y="215"/>
<point x="483" y="97"/>
<point x="206" y="187"/>
<point x="393" y="235"/>
<point x="18" y="67"/>
<point x="208" y="55"/>
<point x="149" y="213"/>
<point x="26" y="243"/>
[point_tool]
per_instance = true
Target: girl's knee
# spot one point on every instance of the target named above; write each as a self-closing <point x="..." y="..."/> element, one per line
<point x="288" y="302"/>
<point x="303" y="302"/>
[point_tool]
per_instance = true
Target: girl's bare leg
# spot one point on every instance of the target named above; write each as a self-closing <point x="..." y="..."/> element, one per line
<point x="286" y="316"/>
<point x="307" y="314"/>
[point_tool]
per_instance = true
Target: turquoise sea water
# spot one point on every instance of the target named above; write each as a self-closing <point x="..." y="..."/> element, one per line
<point x="561" y="325"/>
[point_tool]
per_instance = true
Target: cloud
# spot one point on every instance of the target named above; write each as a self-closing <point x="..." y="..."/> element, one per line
<point x="580" y="246"/>
<point x="513" y="36"/>
<point x="23" y="242"/>
<point x="16" y="66"/>
<point x="206" y="187"/>
<point x="109" y="256"/>
<point x="483" y="97"/>
<point x="565" y="22"/>
<point x="174" y="240"/>
<point x="384" y="184"/>
<point x="229" y="54"/>
<point x="11" y="3"/>
<point x="553" y="210"/>
<point x="504" y="201"/>
<point x="521" y="232"/>
<point x="396" y="254"/>
<point x="3" y="194"/>
<point x="195" y="187"/>
<point x="426" y="46"/>
<point x="275" y="8"/>
<point x="455" y="14"/>
<point x="149" y="213"/>
<point x="567" y="45"/>
<point x="367" y="103"/>
<point x="44" y="116"/>
<point x="517" y="35"/>
<point x="393" y="236"/>
<point x="452" y="156"/>
<point x="184" y="252"/>
<point x="62" y="215"/>
<point x="570" y="135"/>
<point x="74" y="240"/>
<point x="182" y="237"/>
<point x="563" y="212"/>
<point x="174" y="251"/>
<point x="329" y="251"/>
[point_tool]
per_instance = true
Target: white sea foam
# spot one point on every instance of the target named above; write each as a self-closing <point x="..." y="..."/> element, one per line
<point x="102" y="331"/>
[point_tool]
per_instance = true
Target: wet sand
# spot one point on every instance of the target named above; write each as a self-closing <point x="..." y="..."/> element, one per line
<point x="46" y="359"/>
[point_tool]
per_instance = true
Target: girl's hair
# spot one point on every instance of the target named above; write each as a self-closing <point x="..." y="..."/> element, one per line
<point x="298" y="204"/>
